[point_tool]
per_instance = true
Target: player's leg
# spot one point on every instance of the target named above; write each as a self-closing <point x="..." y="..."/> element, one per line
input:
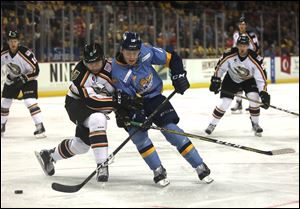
<point x="238" y="104"/>
<point x="8" y="94"/>
<point x="30" y="96"/>
<point x="148" y="152"/>
<point x="227" y="85"/>
<point x="168" y="118"/>
<point x="254" y="108"/>
<point x="97" y="124"/>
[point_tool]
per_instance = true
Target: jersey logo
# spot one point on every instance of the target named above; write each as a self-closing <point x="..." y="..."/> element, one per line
<point x="242" y="72"/>
<point x="14" y="69"/>
<point x="146" y="84"/>
<point x="107" y="68"/>
<point x="74" y="74"/>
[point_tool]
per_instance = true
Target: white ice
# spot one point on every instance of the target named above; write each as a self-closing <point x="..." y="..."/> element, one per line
<point x="242" y="178"/>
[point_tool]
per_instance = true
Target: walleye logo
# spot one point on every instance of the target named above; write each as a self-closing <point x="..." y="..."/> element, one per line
<point x="146" y="84"/>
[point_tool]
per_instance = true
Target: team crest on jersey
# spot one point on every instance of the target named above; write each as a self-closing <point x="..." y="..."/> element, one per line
<point x="243" y="73"/>
<point x="74" y="74"/>
<point x="146" y="84"/>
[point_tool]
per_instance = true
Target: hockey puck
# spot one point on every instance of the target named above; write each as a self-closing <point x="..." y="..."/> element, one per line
<point x="18" y="191"/>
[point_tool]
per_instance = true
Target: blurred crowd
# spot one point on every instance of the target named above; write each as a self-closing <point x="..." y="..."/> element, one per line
<point x="194" y="29"/>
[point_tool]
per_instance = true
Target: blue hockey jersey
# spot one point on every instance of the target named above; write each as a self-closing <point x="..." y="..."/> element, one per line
<point x="141" y="78"/>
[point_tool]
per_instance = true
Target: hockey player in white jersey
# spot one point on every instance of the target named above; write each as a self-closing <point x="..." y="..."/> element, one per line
<point x="88" y="102"/>
<point x="253" y="45"/>
<point x="243" y="68"/>
<point x="22" y="70"/>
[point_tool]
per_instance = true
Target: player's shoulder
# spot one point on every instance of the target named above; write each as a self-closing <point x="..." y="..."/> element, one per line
<point x="79" y="72"/>
<point x="252" y="34"/>
<point x="4" y="50"/>
<point x="230" y="52"/>
<point x="25" y="51"/>
<point x="256" y="57"/>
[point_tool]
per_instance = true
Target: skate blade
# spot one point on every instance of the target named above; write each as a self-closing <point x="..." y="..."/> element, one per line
<point x="163" y="182"/>
<point x="39" y="158"/>
<point x="207" y="179"/>
<point x="40" y="136"/>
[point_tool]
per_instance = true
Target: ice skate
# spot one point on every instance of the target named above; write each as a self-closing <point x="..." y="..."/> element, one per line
<point x="3" y="129"/>
<point x="160" y="176"/>
<point x="203" y="173"/>
<point x="46" y="161"/>
<point x="40" y="131"/>
<point x="256" y="128"/>
<point x="237" y="109"/>
<point x="210" y="129"/>
<point x="102" y="174"/>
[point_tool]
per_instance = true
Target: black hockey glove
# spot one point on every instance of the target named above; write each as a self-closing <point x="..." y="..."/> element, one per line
<point x="128" y="102"/>
<point x="18" y="81"/>
<point x="215" y="84"/>
<point x="122" y="118"/>
<point x="180" y="82"/>
<point x="265" y="99"/>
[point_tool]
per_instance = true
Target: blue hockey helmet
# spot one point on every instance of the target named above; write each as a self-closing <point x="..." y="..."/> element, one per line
<point x="131" y="41"/>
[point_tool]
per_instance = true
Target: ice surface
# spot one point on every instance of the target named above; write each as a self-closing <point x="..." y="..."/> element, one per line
<point x="242" y="178"/>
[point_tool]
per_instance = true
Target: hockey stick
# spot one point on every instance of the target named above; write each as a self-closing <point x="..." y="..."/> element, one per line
<point x="272" y="152"/>
<point x="258" y="102"/>
<point x="75" y="188"/>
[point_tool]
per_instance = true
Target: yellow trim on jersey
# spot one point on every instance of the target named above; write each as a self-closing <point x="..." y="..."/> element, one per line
<point x="148" y="152"/>
<point x="168" y="59"/>
<point x="186" y="150"/>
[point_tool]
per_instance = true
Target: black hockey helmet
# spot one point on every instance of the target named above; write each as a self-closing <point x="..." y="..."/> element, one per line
<point x="242" y="20"/>
<point x="243" y="40"/>
<point x="131" y="41"/>
<point x="12" y="34"/>
<point x="92" y="53"/>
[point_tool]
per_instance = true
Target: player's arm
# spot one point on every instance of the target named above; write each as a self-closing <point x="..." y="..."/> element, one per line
<point x="260" y="79"/>
<point x="220" y="69"/>
<point x="31" y="64"/>
<point x="172" y="60"/>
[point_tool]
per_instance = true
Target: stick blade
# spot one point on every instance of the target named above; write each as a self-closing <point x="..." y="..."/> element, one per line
<point x="66" y="188"/>
<point x="282" y="151"/>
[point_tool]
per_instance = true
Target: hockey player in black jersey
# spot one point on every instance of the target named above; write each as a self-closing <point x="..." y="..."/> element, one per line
<point x="88" y="102"/>
<point x="253" y="45"/>
<point x="22" y="70"/>
<point x="243" y="68"/>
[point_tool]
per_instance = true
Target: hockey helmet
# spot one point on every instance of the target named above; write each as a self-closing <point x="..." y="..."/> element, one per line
<point x="242" y="20"/>
<point x="12" y="34"/>
<point x="243" y="40"/>
<point x="131" y="41"/>
<point x="92" y="53"/>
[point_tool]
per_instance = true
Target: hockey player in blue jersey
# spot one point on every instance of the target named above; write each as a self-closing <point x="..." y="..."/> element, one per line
<point x="137" y="82"/>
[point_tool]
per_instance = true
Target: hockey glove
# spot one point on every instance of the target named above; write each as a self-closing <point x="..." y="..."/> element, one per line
<point x="128" y="102"/>
<point x="122" y="118"/>
<point x="19" y="81"/>
<point x="265" y="99"/>
<point x="180" y="82"/>
<point x="215" y="84"/>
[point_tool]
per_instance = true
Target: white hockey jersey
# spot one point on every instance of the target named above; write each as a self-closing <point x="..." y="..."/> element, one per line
<point x="254" y="44"/>
<point x="23" y="62"/>
<point x="95" y="90"/>
<point x="242" y="68"/>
